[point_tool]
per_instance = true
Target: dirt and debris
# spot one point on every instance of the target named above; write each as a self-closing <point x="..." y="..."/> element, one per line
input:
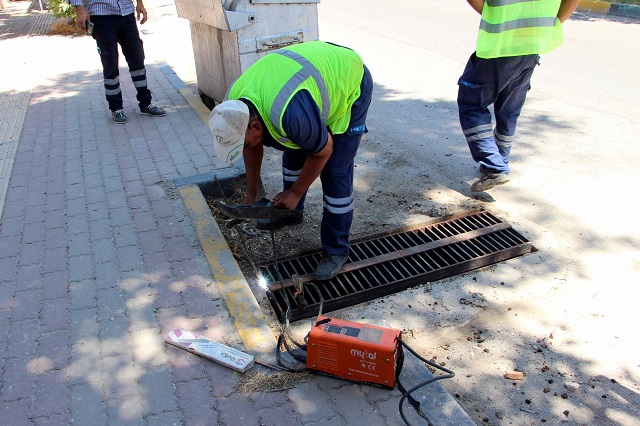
<point x="475" y="322"/>
<point x="514" y="375"/>
<point x="256" y="380"/>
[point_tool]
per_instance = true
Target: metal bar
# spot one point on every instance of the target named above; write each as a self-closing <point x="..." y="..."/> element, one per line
<point x="495" y="237"/>
<point x="406" y="241"/>
<point x="416" y="237"/>
<point x="460" y="226"/>
<point x="366" y="250"/>
<point x="416" y="266"/>
<point x="461" y="247"/>
<point x="391" y="244"/>
<point x="357" y="284"/>
<point x="470" y="247"/>
<point x="458" y="251"/>
<point x="399" y="264"/>
<point x="375" y="245"/>
<point x="426" y="234"/>
<point x="301" y="270"/>
<point x="394" y="264"/>
<point x="490" y="242"/>
<point x="355" y="252"/>
<point x="364" y="278"/>
<point x="425" y="257"/>
<point x="440" y="253"/>
<point x="339" y="284"/>
<point x="445" y="230"/>
<point x="450" y="229"/>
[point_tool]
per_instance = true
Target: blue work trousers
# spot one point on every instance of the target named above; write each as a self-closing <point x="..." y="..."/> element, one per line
<point x="503" y="82"/>
<point x="108" y="32"/>
<point x="336" y="176"/>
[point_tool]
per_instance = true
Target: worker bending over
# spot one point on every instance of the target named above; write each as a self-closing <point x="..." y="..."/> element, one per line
<point x="309" y="100"/>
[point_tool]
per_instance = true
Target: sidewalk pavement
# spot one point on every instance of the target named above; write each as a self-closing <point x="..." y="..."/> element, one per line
<point x="99" y="259"/>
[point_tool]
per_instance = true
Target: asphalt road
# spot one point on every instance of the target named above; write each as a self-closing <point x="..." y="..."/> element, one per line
<point x="575" y="171"/>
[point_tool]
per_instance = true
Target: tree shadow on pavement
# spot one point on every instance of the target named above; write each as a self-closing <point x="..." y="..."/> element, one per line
<point x="413" y="165"/>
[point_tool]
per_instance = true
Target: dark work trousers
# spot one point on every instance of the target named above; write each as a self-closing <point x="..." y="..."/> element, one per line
<point x="503" y="82"/>
<point x="337" y="175"/>
<point x="108" y="32"/>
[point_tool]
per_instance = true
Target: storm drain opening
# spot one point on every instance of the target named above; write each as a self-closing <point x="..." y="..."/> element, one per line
<point x="392" y="262"/>
<point x="378" y="265"/>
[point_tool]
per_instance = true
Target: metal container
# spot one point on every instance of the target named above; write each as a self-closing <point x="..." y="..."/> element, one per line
<point x="228" y="36"/>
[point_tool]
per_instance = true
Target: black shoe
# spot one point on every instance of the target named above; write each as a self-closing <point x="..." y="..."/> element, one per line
<point x="119" y="116"/>
<point x="329" y="266"/>
<point x="153" y="111"/>
<point x="488" y="181"/>
<point x="267" y="224"/>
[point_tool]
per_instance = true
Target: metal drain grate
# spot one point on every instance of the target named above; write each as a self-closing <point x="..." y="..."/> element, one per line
<point x="395" y="261"/>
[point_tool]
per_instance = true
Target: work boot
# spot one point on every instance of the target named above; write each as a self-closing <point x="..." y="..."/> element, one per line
<point x="488" y="181"/>
<point x="277" y="223"/>
<point x="153" y="111"/>
<point x="329" y="266"/>
<point x="119" y="116"/>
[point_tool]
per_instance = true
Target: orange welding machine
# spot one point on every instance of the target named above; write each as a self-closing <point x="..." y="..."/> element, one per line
<point x="353" y="351"/>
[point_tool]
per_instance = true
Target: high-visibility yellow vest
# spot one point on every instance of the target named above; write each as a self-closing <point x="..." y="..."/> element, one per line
<point x="331" y="74"/>
<point x="518" y="27"/>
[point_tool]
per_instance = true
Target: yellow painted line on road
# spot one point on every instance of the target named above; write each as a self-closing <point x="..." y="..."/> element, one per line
<point x="595" y="5"/>
<point x="254" y="331"/>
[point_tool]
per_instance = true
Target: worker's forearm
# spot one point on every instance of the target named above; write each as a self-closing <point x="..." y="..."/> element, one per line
<point x="312" y="168"/>
<point x="567" y="7"/>
<point x="477" y="5"/>
<point x="253" y="164"/>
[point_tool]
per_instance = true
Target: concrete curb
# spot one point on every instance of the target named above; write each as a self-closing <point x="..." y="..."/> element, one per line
<point x="626" y="10"/>
<point x="256" y="335"/>
<point x="252" y="326"/>
<point x="607" y="8"/>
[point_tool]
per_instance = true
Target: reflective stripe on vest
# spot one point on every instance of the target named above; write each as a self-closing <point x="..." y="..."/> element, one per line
<point x="518" y="27"/>
<point x="308" y="70"/>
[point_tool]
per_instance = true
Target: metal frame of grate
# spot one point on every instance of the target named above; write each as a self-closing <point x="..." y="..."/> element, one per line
<point x="394" y="261"/>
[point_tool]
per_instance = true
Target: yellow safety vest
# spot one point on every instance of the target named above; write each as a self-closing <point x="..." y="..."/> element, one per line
<point x="331" y="74"/>
<point x="518" y="27"/>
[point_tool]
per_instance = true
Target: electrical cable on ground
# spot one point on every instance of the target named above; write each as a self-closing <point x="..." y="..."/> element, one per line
<point x="407" y="394"/>
<point x="299" y="354"/>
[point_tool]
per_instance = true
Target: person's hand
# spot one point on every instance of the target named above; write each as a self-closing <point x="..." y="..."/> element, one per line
<point x="81" y="17"/>
<point x="140" y="10"/>
<point x="286" y="200"/>
<point x="250" y="199"/>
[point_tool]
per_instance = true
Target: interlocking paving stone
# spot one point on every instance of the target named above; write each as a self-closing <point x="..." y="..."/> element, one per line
<point x="99" y="259"/>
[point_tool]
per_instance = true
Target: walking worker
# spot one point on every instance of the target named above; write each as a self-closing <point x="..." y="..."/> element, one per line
<point x="512" y="34"/>
<point x="309" y="100"/>
<point x="111" y="22"/>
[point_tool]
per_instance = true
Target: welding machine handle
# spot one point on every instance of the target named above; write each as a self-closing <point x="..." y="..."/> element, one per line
<point x="323" y="321"/>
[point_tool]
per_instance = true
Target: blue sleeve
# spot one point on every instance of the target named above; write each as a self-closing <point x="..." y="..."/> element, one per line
<point x="303" y="124"/>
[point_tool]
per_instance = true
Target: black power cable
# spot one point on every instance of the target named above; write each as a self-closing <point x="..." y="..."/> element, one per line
<point x="300" y="354"/>
<point x="406" y="394"/>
